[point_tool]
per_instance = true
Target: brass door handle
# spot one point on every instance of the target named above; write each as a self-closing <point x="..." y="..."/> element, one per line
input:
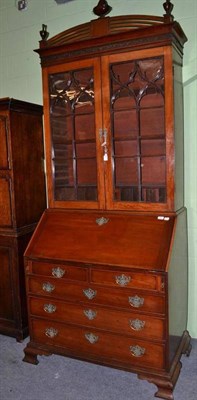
<point x="103" y="140"/>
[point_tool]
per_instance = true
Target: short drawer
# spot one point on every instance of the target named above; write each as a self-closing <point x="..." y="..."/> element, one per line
<point x="127" y="279"/>
<point x="91" y="294"/>
<point x="60" y="271"/>
<point x="87" y="342"/>
<point x="134" y="324"/>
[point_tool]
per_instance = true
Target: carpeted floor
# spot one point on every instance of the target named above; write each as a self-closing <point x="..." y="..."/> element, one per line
<point x="60" y="378"/>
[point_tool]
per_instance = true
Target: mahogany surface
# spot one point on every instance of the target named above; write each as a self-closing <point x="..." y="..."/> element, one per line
<point x="87" y="241"/>
<point x="22" y="201"/>
<point x="106" y="268"/>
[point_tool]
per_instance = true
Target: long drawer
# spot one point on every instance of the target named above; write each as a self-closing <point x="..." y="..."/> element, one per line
<point x="130" y="323"/>
<point x="87" y="342"/>
<point x="93" y="294"/>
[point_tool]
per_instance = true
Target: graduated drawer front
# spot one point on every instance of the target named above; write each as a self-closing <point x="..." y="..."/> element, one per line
<point x="87" y="342"/>
<point x="60" y="271"/>
<point x="139" y="325"/>
<point x="127" y="279"/>
<point x="92" y="294"/>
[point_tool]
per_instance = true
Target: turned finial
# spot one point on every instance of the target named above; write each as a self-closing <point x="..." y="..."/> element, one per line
<point x="168" y="7"/>
<point x="102" y="9"/>
<point x="43" y="33"/>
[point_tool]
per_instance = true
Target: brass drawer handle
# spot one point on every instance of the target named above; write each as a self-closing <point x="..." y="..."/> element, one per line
<point x="137" y="351"/>
<point x="48" y="287"/>
<point x="90" y="293"/>
<point x="136" y="324"/>
<point x="51" y="332"/>
<point x="122" y="280"/>
<point x="49" y="308"/>
<point x="90" y="314"/>
<point x="58" y="272"/>
<point x="91" y="338"/>
<point x="136" y="301"/>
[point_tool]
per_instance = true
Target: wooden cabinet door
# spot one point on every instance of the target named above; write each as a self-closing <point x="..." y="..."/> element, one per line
<point x="4" y="153"/>
<point x="110" y="141"/>
<point x="5" y="180"/>
<point x="6" y="286"/>
<point x="73" y="121"/>
<point x="137" y="110"/>
<point x="5" y="202"/>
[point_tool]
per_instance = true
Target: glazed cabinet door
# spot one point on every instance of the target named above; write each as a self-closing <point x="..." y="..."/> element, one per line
<point x="73" y="117"/>
<point x="137" y="107"/>
<point x="111" y="132"/>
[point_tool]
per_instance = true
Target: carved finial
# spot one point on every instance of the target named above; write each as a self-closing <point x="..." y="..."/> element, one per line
<point x="102" y="9"/>
<point x="168" y="7"/>
<point x="43" y="33"/>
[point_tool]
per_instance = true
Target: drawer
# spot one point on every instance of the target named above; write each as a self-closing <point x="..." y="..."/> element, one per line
<point x="129" y="279"/>
<point x="117" y="298"/>
<point x="59" y="271"/>
<point x="134" y="324"/>
<point x="86" y="343"/>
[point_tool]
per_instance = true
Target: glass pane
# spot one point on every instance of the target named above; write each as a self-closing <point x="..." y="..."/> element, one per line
<point x="126" y="171"/>
<point x="61" y="128"/>
<point x="84" y="127"/>
<point x="86" y="172"/>
<point x="82" y="149"/>
<point x="152" y="122"/>
<point x="72" y="115"/>
<point x="153" y="194"/>
<point x="128" y="129"/>
<point x="153" y="170"/>
<point x="154" y="147"/>
<point x="138" y="130"/>
<point x="126" y="148"/>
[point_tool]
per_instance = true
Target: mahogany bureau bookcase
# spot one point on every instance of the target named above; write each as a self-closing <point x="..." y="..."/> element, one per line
<point x="22" y="202"/>
<point x="106" y="268"/>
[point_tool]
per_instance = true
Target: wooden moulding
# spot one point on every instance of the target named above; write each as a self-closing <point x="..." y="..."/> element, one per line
<point x="74" y="45"/>
<point x="165" y="381"/>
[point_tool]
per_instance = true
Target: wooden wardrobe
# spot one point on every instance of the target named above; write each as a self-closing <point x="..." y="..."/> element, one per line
<point x="22" y="202"/>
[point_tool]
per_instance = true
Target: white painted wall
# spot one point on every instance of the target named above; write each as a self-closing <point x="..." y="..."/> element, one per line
<point x="20" y="78"/>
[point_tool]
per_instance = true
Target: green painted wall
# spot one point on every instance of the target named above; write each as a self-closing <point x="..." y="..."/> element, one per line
<point x="20" y="78"/>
